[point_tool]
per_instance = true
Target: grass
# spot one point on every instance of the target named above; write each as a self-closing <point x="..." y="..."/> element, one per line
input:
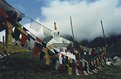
<point x="13" y="49"/>
<point x="25" y="66"/>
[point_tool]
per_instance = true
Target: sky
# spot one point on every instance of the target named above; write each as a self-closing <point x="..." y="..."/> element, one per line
<point x="86" y="15"/>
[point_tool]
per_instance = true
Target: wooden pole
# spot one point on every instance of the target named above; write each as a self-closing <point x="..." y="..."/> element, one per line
<point x="103" y="34"/>
<point x="55" y="28"/>
<point x="9" y="33"/>
<point x="72" y="35"/>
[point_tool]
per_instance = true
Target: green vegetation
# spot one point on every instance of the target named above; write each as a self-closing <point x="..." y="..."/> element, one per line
<point x="13" y="49"/>
<point x="22" y="65"/>
<point x="25" y="66"/>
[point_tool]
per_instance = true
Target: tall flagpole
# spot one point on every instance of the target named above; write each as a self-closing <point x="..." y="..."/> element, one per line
<point x="103" y="34"/>
<point x="55" y="28"/>
<point x="72" y="35"/>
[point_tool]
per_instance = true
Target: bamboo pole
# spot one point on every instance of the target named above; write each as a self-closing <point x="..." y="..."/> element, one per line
<point x="72" y="35"/>
<point x="8" y="33"/>
<point x="103" y="34"/>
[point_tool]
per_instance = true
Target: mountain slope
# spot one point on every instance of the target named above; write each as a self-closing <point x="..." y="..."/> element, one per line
<point x="25" y="66"/>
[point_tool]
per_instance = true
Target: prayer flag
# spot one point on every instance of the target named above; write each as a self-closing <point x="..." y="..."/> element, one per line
<point x="16" y="34"/>
<point x="47" y="56"/>
<point x="36" y="50"/>
<point x="46" y="31"/>
<point x="23" y="39"/>
<point x="36" y="26"/>
<point x="3" y="13"/>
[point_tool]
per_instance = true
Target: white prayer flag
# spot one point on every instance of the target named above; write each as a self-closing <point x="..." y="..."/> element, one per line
<point x="58" y="42"/>
<point x="36" y="26"/>
<point x="47" y="32"/>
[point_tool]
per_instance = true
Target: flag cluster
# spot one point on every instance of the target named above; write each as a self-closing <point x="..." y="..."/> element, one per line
<point x="82" y="61"/>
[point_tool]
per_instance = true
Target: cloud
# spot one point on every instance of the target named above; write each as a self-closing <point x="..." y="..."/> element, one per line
<point x="86" y="17"/>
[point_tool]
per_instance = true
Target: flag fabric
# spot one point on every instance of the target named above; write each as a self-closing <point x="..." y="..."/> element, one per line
<point x="104" y="55"/>
<point x="61" y="68"/>
<point x="80" y="67"/>
<point x="95" y="64"/>
<point x="28" y="39"/>
<point x="1" y="21"/>
<point x="47" y="56"/>
<point x="98" y="63"/>
<point x="35" y="26"/>
<point x="38" y="28"/>
<point x="23" y="40"/>
<point x="91" y="66"/>
<point x="50" y="53"/>
<point x="31" y="41"/>
<point x="42" y="54"/>
<point x="77" y="67"/>
<point x="82" y="64"/>
<point x="36" y="50"/>
<point x="54" y="60"/>
<point x="70" y="70"/>
<point x="16" y="34"/>
<point x="62" y="64"/>
<point x="55" y="34"/>
<point x="65" y="59"/>
<point x="47" y="32"/>
<point x="93" y="52"/>
<point x="102" y="60"/>
<point x="85" y="73"/>
<point x="31" y="37"/>
<point x="77" y="72"/>
<point x="57" y="65"/>
<point x="56" y="52"/>
<point x="38" y="39"/>
<point x="3" y="13"/>
<point x="70" y="66"/>
<point x="66" y="64"/>
<point x="25" y="29"/>
<point x="58" y="41"/>
<point x="77" y="55"/>
<point x="73" y="66"/>
<point x="60" y="58"/>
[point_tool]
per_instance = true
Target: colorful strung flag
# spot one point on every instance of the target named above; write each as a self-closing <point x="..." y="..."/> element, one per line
<point x="36" y="51"/>
<point x="51" y="52"/>
<point x="47" y="56"/>
<point x="35" y="26"/>
<point x="46" y="31"/>
<point x="59" y="42"/>
<point x="78" y="67"/>
<point x="56" y="52"/>
<point x="37" y="48"/>
<point x="38" y="39"/>
<point x="3" y="13"/>
<point x="70" y="66"/>
<point x="31" y="37"/>
<point x="23" y="39"/>
<point x="16" y="34"/>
